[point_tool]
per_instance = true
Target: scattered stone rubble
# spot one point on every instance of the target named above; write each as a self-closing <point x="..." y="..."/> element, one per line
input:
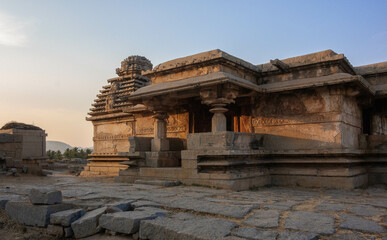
<point x="155" y="212"/>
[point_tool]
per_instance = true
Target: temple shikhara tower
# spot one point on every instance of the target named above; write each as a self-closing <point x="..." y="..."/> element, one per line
<point x="217" y="120"/>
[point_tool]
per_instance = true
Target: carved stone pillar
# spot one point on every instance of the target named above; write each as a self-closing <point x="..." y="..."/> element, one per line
<point x="219" y="121"/>
<point x="160" y="141"/>
<point x="218" y="97"/>
<point x="159" y="106"/>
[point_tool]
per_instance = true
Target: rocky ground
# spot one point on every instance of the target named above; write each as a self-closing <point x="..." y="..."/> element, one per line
<point x="193" y="212"/>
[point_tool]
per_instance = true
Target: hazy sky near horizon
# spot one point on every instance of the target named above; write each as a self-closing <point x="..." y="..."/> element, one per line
<point x="56" y="55"/>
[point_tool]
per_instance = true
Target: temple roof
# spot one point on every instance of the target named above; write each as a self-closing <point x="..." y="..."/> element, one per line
<point x="372" y="68"/>
<point x="218" y="67"/>
<point x="338" y="78"/>
<point x="308" y="59"/>
<point x="216" y="54"/>
<point x="192" y="83"/>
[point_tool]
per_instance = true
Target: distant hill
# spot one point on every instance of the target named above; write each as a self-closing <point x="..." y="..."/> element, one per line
<point x="56" y="145"/>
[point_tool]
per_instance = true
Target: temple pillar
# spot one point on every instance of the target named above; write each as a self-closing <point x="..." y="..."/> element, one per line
<point x="160" y="141"/>
<point x="218" y="97"/>
<point x="219" y="121"/>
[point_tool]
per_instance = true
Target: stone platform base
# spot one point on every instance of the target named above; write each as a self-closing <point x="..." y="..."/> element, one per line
<point x="99" y="169"/>
<point x="317" y="175"/>
<point x="224" y="180"/>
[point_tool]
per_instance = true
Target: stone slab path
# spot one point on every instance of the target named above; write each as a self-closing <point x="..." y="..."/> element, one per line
<point x="190" y="212"/>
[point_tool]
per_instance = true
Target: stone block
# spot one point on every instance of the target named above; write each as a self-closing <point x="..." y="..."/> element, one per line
<point x="55" y="230"/>
<point x="164" y="183"/>
<point x="112" y="209"/>
<point x="221" y="141"/>
<point x="281" y="205"/>
<point x="331" y="207"/>
<point x="162" y="159"/>
<point x="33" y="215"/>
<point x="128" y="222"/>
<point x="188" y="163"/>
<point x="65" y="218"/>
<point x="263" y="218"/>
<point x="159" y="144"/>
<point x="311" y="222"/>
<point x="5" y="198"/>
<point x="350" y="236"/>
<point x="45" y="196"/>
<point x="123" y="205"/>
<point x="145" y="203"/>
<point x="87" y="225"/>
<point x="360" y="224"/>
<point x="285" y="235"/>
<point x="252" y="233"/>
<point x="368" y="211"/>
<point x="185" y="226"/>
<point x="235" y="211"/>
<point x="68" y="232"/>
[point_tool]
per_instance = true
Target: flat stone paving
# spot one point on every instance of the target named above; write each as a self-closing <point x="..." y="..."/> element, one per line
<point x="205" y="213"/>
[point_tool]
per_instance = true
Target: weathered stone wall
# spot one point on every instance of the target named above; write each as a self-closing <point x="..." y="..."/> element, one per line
<point x="33" y="142"/>
<point x="11" y="146"/>
<point x="112" y="136"/>
<point x="311" y="119"/>
<point x="302" y="73"/>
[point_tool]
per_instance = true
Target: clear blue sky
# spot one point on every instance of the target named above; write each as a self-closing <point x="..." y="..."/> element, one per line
<point x="56" y="55"/>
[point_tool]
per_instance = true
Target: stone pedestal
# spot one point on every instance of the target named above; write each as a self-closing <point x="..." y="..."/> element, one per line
<point x="219" y="121"/>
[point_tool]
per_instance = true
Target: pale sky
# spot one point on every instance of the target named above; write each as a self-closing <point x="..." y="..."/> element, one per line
<point x="56" y="55"/>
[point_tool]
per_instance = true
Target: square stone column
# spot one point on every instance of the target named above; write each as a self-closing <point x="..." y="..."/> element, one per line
<point x="160" y="141"/>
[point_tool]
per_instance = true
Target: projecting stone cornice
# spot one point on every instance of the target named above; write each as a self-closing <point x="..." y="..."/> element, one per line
<point x="313" y="60"/>
<point x="202" y="59"/>
<point x="192" y="83"/>
<point x="334" y="79"/>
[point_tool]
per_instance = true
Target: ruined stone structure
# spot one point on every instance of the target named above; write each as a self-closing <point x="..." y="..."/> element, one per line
<point x="22" y="145"/>
<point x="214" y="119"/>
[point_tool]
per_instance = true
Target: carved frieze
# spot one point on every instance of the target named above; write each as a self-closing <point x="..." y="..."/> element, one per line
<point x="302" y="119"/>
<point x="104" y="137"/>
<point x="170" y="129"/>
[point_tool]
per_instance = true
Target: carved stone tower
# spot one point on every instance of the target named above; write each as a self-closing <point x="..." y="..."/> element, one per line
<point x="112" y="99"/>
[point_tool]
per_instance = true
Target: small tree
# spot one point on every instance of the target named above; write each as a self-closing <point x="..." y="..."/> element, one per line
<point x="58" y="155"/>
<point x="67" y="154"/>
<point x="50" y="154"/>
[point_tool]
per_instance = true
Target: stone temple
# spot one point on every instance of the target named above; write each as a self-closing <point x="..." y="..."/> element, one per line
<point x="216" y="120"/>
